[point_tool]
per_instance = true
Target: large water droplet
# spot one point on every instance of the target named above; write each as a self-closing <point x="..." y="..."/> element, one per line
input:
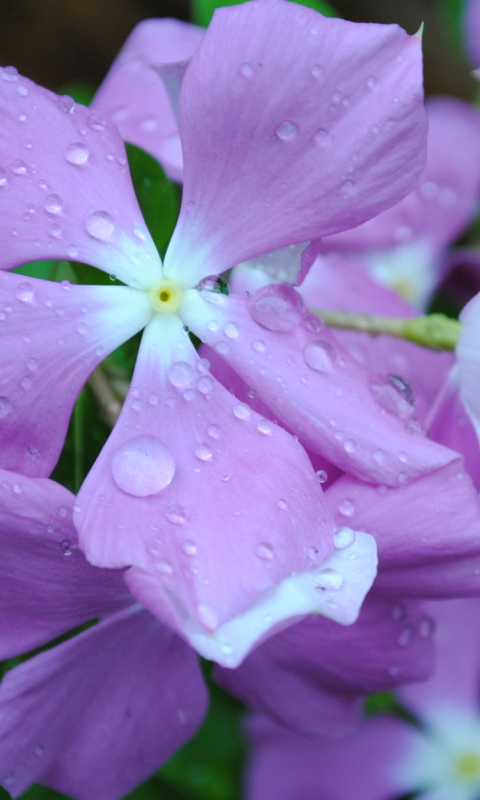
<point x="100" y="225"/>
<point x="343" y="538"/>
<point x="77" y="153"/>
<point x="25" y="292"/>
<point x="393" y="394"/>
<point x="231" y="330"/>
<point x="176" y="514"/>
<point x="143" y="466"/>
<point x="53" y="204"/>
<point x="276" y="308"/>
<point x="287" y="131"/>
<point x="180" y="374"/>
<point x="66" y="104"/>
<point x="5" y="407"/>
<point x="329" y="579"/>
<point x="213" y="283"/>
<point x="320" y="355"/>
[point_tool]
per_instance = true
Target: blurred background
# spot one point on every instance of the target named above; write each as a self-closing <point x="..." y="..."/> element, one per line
<point x="55" y="42"/>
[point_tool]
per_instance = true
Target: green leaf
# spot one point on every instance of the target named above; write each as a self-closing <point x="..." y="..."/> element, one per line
<point x="81" y="91"/>
<point x="452" y="12"/>
<point x="157" y="196"/>
<point x="202" y="10"/>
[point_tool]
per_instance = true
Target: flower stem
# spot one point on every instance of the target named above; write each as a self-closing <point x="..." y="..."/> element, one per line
<point x="435" y="331"/>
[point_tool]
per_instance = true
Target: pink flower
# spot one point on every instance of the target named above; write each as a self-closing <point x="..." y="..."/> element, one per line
<point x="187" y="491"/>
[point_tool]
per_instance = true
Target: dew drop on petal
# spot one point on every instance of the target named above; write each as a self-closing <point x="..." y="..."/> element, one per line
<point x="180" y="374"/>
<point x="164" y="567"/>
<point x="19" y="166"/>
<point x="265" y="427"/>
<point x="264" y="550"/>
<point x="276" y="308"/>
<point x="204" y="452"/>
<point x="329" y="579"/>
<point x="404" y="637"/>
<point x="97" y="121"/>
<point x="426" y="627"/>
<point x="9" y="74"/>
<point x="281" y="504"/>
<point x="347" y="507"/>
<point x="320" y="355"/>
<point x="66" y="104"/>
<point x="176" y="514"/>
<point x="25" y="292"/>
<point x="287" y="131"/>
<point x="231" y="330"/>
<point x="241" y="411"/>
<point x="213" y="431"/>
<point x="205" y="385"/>
<point x="100" y="225"/>
<point x="343" y="538"/>
<point x="246" y="70"/>
<point x="398" y="612"/>
<point x="53" y="204"/>
<point x="5" y="407"/>
<point x="143" y="466"/>
<point x="3" y="177"/>
<point x="77" y="153"/>
<point x="322" y="476"/>
<point x="189" y="547"/>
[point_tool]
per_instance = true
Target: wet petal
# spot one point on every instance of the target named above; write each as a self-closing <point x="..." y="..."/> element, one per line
<point x="316" y="125"/>
<point x="136" y="99"/>
<point x="173" y="477"/>
<point x="65" y="190"/>
<point x="46" y="585"/>
<point x="446" y="197"/>
<point x="312" y="676"/>
<point x="53" y="337"/>
<point x="312" y="385"/>
<point x="427" y="548"/>
<point x="356" y="767"/>
<point x="98" y="714"/>
<point x="468" y="358"/>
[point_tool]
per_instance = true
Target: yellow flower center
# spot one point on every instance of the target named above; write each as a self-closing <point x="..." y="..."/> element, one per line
<point x="166" y="297"/>
<point x="468" y="766"/>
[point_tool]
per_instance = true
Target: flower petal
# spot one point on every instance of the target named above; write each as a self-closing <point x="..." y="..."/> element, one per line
<point x="136" y="99"/>
<point x="468" y="358"/>
<point x="356" y="767"/>
<point x="471" y="30"/>
<point x="98" y="714"/>
<point x="53" y="337"/>
<point x="428" y="533"/>
<point x="314" y="125"/>
<point x="335" y="589"/>
<point x="65" y="190"/>
<point x="312" y="676"/>
<point x="174" y="476"/>
<point x="303" y="374"/>
<point x="446" y="197"/>
<point x="46" y="585"/>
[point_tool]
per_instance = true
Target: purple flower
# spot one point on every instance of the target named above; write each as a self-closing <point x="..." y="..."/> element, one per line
<point x="187" y="491"/>
<point x="97" y="714"/>
<point x="388" y="756"/>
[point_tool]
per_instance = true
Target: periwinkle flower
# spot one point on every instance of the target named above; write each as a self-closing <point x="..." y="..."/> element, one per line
<point x="186" y="491"/>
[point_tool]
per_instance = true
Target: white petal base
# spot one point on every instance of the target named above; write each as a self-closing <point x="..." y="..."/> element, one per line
<point x="294" y="598"/>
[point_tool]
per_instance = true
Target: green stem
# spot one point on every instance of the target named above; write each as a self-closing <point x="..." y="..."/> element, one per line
<point x="78" y="441"/>
<point x="435" y="331"/>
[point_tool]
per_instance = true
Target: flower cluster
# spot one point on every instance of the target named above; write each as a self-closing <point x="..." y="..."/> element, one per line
<point x="281" y="498"/>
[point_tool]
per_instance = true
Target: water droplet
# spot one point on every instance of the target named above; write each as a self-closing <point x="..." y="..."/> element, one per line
<point x="66" y="547"/>
<point x="66" y="104"/>
<point x="393" y="394"/>
<point x="19" y="166"/>
<point x="17" y="488"/>
<point x="204" y="452"/>
<point x="213" y="283"/>
<point x="207" y="617"/>
<point x="372" y="82"/>
<point x="287" y="131"/>
<point x="55" y="230"/>
<point x="32" y="364"/>
<point x="213" y="431"/>
<point x="276" y="308"/>
<point x="379" y="456"/>
<point x="10" y="74"/>
<point x="343" y="538"/>
<point x="246" y="70"/>
<point x="180" y="374"/>
<point x="426" y="627"/>
<point x="265" y="427"/>
<point x="225" y="476"/>
<point x="189" y="395"/>
<point x="77" y="153"/>
<point x="349" y="446"/>
<point x="259" y="346"/>
<point x="100" y="225"/>
<point x="398" y="612"/>
<point x="72" y="251"/>
<point x="321" y="136"/>
<point x="143" y="466"/>
<point x="316" y="70"/>
<point x="222" y="348"/>
<point x="403" y="458"/>
<point x="231" y="330"/>
<point x="164" y="567"/>
<point x="53" y="204"/>
<point x="153" y="399"/>
<point x="347" y="507"/>
<point x="320" y="355"/>
<point x="329" y="579"/>
<point x="176" y="514"/>
<point x="97" y="121"/>
<point x="5" y="407"/>
<point x="281" y="504"/>
<point x="241" y="411"/>
<point x="264" y="550"/>
<point x="404" y="637"/>
<point x="322" y="476"/>
<point x="205" y="385"/>
<point x="25" y="292"/>
<point x="3" y="177"/>
<point x="189" y="547"/>
<point x="429" y="190"/>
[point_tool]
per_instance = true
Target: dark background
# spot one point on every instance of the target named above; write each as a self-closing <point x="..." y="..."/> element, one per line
<point x="54" y="42"/>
